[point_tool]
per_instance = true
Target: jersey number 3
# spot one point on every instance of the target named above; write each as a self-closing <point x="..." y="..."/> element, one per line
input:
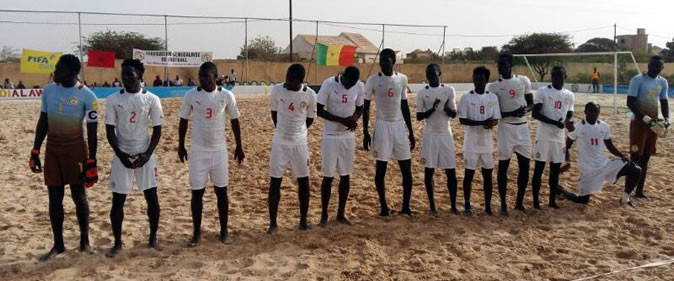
<point x="209" y="113"/>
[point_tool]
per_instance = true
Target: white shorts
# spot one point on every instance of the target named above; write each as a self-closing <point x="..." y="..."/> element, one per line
<point x="593" y="181"/>
<point x="337" y="155"/>
<point x="549" y="151"/>
<point x="295" y="154"/>
<point x="437" y="151"/>
<point x="205" y="164"/>
<point x="513" y="138"/>
<point x="121" y="178"/>
<point x="390" y="140"/>
<point x="472" y="160"/>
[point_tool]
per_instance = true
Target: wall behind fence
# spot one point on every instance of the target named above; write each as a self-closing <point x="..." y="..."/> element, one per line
<point x="275" y="72"/>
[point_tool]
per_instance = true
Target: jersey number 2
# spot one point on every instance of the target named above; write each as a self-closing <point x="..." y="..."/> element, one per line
<point x="132" y="119"/>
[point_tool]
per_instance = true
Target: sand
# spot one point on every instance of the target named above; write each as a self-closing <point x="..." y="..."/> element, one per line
<point x="565" y="244"/>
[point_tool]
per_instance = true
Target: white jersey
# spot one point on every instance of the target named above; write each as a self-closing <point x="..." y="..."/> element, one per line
<point x="510" y="93"/>
<point x="132" y="114"/>
<point x="211" y="110"/>
<point x="438" y="122"/>
<point x="340" y="102"/>
<point x="292" y="109"/>
<point x="590" y="144"/>
<point x="556" y="103"/>
<point x="387" y="91"/>
<point x="478" y="107"/>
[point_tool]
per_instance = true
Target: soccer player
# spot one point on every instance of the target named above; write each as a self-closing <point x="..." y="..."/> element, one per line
<point x="389" y="90"/>
<point x="65" y="103"/>
<point x="479" y="112"/>
<point x="128" y="114"/>
<point x="646" y="92"/>
<point x="515" y="100"/>
<point x="293" y="109"/>
<point x="553" y="108"/>
<point x="593" y="136"/>
<point x="436" y="103"/>
<point x="208" y="157"/>
<point x="340" y="103"/>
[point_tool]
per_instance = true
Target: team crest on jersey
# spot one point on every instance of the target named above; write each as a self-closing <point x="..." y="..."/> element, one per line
<point x="635" y="148"/>
<point x="538" y="155"/>
<point x="94" y="105"/>
<point x="423" y="161"/>
<point x="489" y="104"/>
<point x="222" y="104"/>
<point x="374" y="153"/>
<point x="303" y="105"/>
<point x="73" y="100"/>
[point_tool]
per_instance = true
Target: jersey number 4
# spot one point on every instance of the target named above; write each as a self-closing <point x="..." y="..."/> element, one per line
<point x="291" y="107"/>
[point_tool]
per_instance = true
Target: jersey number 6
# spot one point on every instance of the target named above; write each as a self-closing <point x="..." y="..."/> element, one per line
<point x="389" y="93"/>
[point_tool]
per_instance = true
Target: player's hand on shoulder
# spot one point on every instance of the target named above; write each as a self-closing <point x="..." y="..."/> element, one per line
<point x="238" y="155"/>
<point x="182" y="153"/>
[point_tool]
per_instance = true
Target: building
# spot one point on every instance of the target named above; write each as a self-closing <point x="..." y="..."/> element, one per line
<point x="303" y="46"/>
<point x="634" y="42"/>
<point x="419" y="54"/>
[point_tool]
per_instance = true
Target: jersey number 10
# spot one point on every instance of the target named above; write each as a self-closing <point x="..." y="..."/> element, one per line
<point x="558" y="105"/>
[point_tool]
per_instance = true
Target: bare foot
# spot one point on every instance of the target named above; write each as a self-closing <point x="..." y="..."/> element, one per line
<point x="114" y="251"/>
<point x="272" y="229"/>
<point x="52" y="253"/>
<point x="343" y="220"/>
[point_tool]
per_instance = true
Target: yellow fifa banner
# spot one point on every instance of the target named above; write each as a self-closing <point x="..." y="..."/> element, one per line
<point x="33" y="61"/>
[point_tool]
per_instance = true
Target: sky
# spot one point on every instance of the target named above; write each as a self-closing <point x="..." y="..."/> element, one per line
<point x="470" y="23"/>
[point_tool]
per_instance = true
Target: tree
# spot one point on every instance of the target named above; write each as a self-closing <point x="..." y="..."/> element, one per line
<point x="261" y="48"/>
<point x="668" y="53"/>
<point x="9" y="54"/>
<point x="122" y="42"/>
<point x="598" y="44"/>
<point x="540" y="43"/>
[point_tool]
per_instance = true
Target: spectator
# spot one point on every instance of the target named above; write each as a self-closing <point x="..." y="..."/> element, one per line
<point x="106" y="84"/>
<point x="232" y="77"/>
<point x="8" y="84"/>
<point x="116" y="83"/>
<point x="178" y="82"/>
<point x="168" y="83"/>
<point x="157" y="82"/>
<point x="20" y="85"/>
<point x="190" y="82"/>
<point x="94" y="85"/>
<point x="595" y="81"/>
<point x="226" y="81"/>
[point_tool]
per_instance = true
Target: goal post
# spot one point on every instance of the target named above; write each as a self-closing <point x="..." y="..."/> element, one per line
<point x="615" y="65"/>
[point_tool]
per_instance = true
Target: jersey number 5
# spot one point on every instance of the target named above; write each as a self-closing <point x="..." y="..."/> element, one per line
<point x="389" y="93"/>
<point x="344" y="98"/>
<point x="132" y="119"/>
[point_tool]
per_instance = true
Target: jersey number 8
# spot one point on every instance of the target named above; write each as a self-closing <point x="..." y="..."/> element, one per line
<point x="481" y="109"/>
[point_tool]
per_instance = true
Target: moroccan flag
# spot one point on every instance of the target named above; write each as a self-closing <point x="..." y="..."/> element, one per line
<point x="335" y="54"/>
<point x="101" y="58"/>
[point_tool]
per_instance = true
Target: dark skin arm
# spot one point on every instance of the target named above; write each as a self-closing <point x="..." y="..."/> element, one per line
<point x="539" y="116"/>
<point x="633" y="105"/>
<point x="112" y="140"/>
<point x="427" y="113"/>
<point x="154" y="141"/>
<point x="366" y="123"/>
<point x="41" y="130"/>
<point x="238" y="152"/>
<point x="273" y="117"/>
<point x="408" y="121"/>
<point x="349" y="122"/>
<point x="664" y="107"/>
<point x="569" y="144"/>
<point x="182" y="132"/>
<point x="92" y="139"/>
<point x="309" y="122"/>
<point x="611" y="148"/>
<point x="520" y="112"/>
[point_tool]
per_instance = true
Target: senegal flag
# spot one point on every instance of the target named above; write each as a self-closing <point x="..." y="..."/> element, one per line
<point x="335" y="54"/>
